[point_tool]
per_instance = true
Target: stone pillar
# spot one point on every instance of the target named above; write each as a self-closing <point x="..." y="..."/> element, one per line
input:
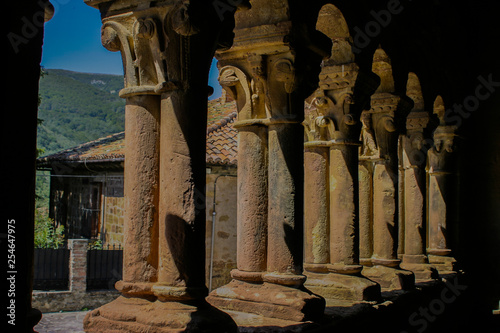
<point x="368" y="154"/>
<point x="316" y="206"/>
<point x="182" y="197"/>
<point x="386" y="113"/>
<point x="166" y="56"/>
<point x="284" y="257"/>
<point x="141" y="193"/>
<point x="78" y="265"/>
<point x="259" y="71"/>
<point x="365" y="212"/>
<point x="413" y="159"/>
<point x="252" y="218"/>
<point x="252" y="209"/>
<point x="332" y="128"/>
<point x="442" y="194"/>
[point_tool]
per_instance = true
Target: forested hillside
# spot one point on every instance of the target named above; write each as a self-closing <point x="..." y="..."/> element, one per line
<point x="78" y="107"/>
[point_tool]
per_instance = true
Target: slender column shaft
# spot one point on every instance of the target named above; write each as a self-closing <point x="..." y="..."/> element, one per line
<point x="365" y="212"/>
<point x="401" y="200"/>
<point x="316" y="201"/>
<point x="384" y="215"/>
<point x="439" y="213"/>
<point x="182" y="193"/>
<point x="142" y="128"/>
<point x="252" y="199"/>
<point x="344" y="197"/>
<point x="414" y="189"/>
<point x="285" y="198"/>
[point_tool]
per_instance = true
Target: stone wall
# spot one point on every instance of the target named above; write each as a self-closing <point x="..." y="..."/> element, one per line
<point x="224" y="253"/>
<point x="113" y="219"/>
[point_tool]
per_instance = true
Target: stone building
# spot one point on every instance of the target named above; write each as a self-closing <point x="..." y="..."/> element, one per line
<point x="367" y="163"/>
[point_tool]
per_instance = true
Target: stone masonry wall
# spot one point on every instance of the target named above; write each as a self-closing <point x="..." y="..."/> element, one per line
<point x="113" y="220"/>
<point x="224" y="254"/>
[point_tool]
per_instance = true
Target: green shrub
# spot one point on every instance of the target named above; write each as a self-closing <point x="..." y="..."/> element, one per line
<point x="46" y="235"/>
<point x="95" y="244"/>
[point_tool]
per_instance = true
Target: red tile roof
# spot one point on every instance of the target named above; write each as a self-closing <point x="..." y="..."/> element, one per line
<point x="222" y="146"/>
<point x="222" y="141"/>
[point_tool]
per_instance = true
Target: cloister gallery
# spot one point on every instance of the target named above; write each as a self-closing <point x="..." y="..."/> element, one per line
<point x="367" y="163"/>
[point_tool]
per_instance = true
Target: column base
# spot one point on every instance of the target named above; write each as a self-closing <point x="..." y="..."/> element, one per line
<point x="335" y="286"/>
<point x="390" y="278"/>
<point x="445" y="265"/>
<point x="365" y="262"/>
<point x="269" y="300"/>
<point x="419" y="265"/>
<point x="141" y="315"/>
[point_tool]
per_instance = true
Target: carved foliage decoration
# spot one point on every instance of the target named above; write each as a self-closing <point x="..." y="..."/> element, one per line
<point x="116" y="37"/>
<point x="154" y="43"/>
<point x="333" y="104"/>
<point x="259" y="95"/>
<point x="441" y="157"/>
<point x="235" y="82"/>
<point x="181" y="20"/>
<point x="413" y="142"/>
<point x="388" y="111"/>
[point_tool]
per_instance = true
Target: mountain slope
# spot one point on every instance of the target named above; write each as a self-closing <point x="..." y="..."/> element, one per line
<point x="78" y="107"/>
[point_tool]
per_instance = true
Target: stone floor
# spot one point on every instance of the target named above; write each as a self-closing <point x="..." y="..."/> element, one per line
<point x="424" y="309"/>
<point x="61" y="322"/>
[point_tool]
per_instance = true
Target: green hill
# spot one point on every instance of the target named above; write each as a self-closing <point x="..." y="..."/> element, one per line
<point x="78" y="107"/>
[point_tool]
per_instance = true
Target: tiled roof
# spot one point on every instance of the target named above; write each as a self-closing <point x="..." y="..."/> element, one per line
<point x="221" y="141"/>
<point x="109" y="148"/>
<point x="220" y="108"/>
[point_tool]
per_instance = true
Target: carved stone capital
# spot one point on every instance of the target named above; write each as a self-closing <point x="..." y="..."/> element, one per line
<point x="142" y="42"/>
<point x="414" y="140"/>
<point x="262" y="85"/>
<point x="441" y="157"/>
<point x="342" y="88"/>
<point x="157" y="41"/>
<point x="388" y="111"/>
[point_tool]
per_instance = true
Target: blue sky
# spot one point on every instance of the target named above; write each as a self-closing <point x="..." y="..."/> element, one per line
<point x="72" y="41"/>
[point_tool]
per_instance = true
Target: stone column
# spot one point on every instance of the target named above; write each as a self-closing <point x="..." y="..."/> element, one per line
<point x="259" y="71"/>
<point x="252" y="188"/>
<point x="365" y="212"/>
<point x="141" y="192"/>
<point x="252" y="211"/>
<point x="387" y="112"/>
<point x="166" y="56"/>
<point x="442" y="194"/>
<point x="316" y="204"/>
<point x="413" y="160"/>
<point x="333" y="122"/>
<point x="285" y="205"/>
<point x="368" y="154"/>
<point x="182" y="196"/>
